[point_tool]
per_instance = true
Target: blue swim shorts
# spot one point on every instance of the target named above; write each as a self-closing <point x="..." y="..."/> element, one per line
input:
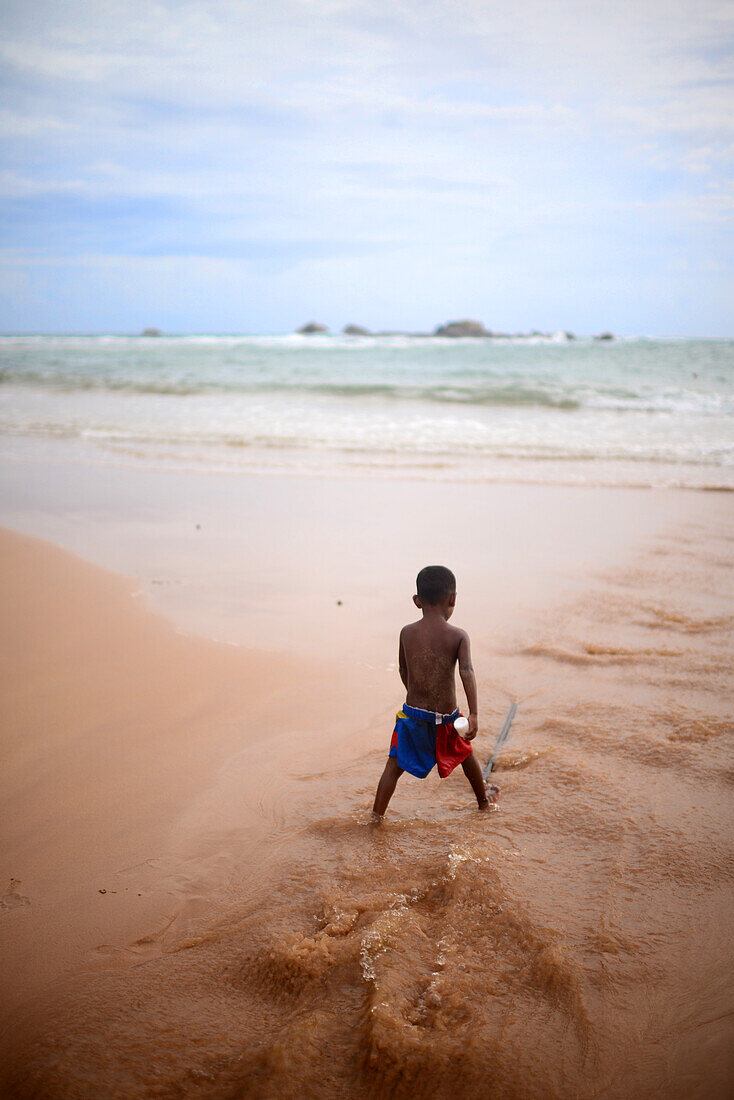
<point x="423" y="739"/>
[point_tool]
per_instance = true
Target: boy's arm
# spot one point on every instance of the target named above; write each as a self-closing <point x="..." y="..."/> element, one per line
<point x="466" y="671"/>
<point x="402" y="664"/>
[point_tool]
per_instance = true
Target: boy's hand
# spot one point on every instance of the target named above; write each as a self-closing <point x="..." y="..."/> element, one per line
<point x="473" y="727"/>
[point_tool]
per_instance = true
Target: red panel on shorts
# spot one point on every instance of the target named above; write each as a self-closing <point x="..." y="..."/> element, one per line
<point x="450" y="749"/>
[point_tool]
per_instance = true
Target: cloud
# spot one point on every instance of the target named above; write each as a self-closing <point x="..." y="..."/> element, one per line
<point x="296" y="132"/>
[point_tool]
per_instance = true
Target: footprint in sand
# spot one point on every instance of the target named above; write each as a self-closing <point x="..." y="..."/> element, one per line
<point x="12" y="899"/>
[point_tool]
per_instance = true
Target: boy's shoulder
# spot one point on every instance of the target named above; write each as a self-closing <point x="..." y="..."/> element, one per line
<point x="420" y="625"/>
<point x="456" y="632"/>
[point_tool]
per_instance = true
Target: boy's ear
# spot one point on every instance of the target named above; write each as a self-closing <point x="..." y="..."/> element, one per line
<point x="417" y="601"/>
<point x="452" y="600"/>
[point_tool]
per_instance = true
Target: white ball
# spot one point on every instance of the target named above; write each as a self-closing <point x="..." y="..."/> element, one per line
<point x="461" y="725"/>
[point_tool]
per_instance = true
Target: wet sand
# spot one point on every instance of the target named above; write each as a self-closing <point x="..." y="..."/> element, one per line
<point x="257" y="937"/>
<point x="115" y="726"/>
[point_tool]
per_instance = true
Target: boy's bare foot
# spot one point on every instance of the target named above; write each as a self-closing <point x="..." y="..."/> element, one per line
<point x="493" y="794"/>
<point x="376" y="818"/>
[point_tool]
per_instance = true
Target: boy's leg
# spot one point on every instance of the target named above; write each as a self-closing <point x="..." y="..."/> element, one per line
<point x="473" y="772"/>
<point x="386" y="786"/>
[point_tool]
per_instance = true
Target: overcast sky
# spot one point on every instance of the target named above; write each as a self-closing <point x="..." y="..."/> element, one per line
<point x="247" y="165"/>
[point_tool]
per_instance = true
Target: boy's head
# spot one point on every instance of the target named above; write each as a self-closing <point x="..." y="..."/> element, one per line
<point x="435" y="587"/>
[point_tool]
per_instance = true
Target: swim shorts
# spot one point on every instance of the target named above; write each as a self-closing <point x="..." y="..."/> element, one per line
<point x="422" y="739"/>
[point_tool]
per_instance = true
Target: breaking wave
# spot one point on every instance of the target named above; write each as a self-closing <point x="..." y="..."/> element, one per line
<point x="666" y="402"/>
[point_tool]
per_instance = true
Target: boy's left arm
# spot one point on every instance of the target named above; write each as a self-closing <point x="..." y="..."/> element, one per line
<point x="468" y="679"/>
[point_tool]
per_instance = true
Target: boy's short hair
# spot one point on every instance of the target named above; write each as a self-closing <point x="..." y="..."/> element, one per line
<point x="434" y="584"/>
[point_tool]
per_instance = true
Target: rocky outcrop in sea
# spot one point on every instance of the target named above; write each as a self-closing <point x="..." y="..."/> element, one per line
<point x="457" y="329"/>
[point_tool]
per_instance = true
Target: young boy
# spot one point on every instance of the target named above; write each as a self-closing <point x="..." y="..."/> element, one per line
<point x="424" y="732"/>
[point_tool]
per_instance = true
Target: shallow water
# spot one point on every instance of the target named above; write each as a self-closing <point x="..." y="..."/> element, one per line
<point x="577" y="941"/>
<point x="633" y="411"/>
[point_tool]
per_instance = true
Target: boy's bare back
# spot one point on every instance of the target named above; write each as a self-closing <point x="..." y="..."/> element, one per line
<point x="428" y="652"/>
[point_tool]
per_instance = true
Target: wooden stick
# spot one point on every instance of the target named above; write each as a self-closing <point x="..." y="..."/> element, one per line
<point x="500" y="740"/>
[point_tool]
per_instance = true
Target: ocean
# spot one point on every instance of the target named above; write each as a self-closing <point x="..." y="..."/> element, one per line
<point x="631" y="411"/>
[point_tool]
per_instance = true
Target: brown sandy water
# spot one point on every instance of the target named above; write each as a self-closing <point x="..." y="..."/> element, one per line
<point x="578" y="941"/>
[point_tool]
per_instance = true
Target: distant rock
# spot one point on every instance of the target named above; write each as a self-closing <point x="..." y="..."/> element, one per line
<point x="355" y="330"/>
<point x="313" y="328"/>
<point x="605" y="336"/>
<point x="458" y="329"/>
<point x="151" y="332"/>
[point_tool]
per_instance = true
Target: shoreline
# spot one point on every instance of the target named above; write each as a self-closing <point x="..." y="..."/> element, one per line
<point x="240" y="460"/>
<point x="447" y="466"/>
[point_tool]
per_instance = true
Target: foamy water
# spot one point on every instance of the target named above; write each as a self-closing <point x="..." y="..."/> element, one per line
<point x="646" y="412"/>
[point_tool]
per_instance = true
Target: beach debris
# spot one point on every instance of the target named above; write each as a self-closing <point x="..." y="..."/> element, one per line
<point x="313" y="328"/>
<point x="198" y="527"/>
<point x="12" y="899"/>
<point x="338" y="603"/>
<point x="102" y="891"/>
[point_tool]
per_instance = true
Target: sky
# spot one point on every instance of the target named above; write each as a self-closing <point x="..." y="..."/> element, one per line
<point x="240" y="166"/>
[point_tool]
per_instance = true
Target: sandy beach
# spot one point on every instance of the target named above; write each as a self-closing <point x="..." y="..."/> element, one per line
<point x="198" y="690"/>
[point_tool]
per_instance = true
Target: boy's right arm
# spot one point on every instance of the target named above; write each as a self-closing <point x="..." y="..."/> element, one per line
<point x="466" y="671"/>
<point x="402" y="663"/>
